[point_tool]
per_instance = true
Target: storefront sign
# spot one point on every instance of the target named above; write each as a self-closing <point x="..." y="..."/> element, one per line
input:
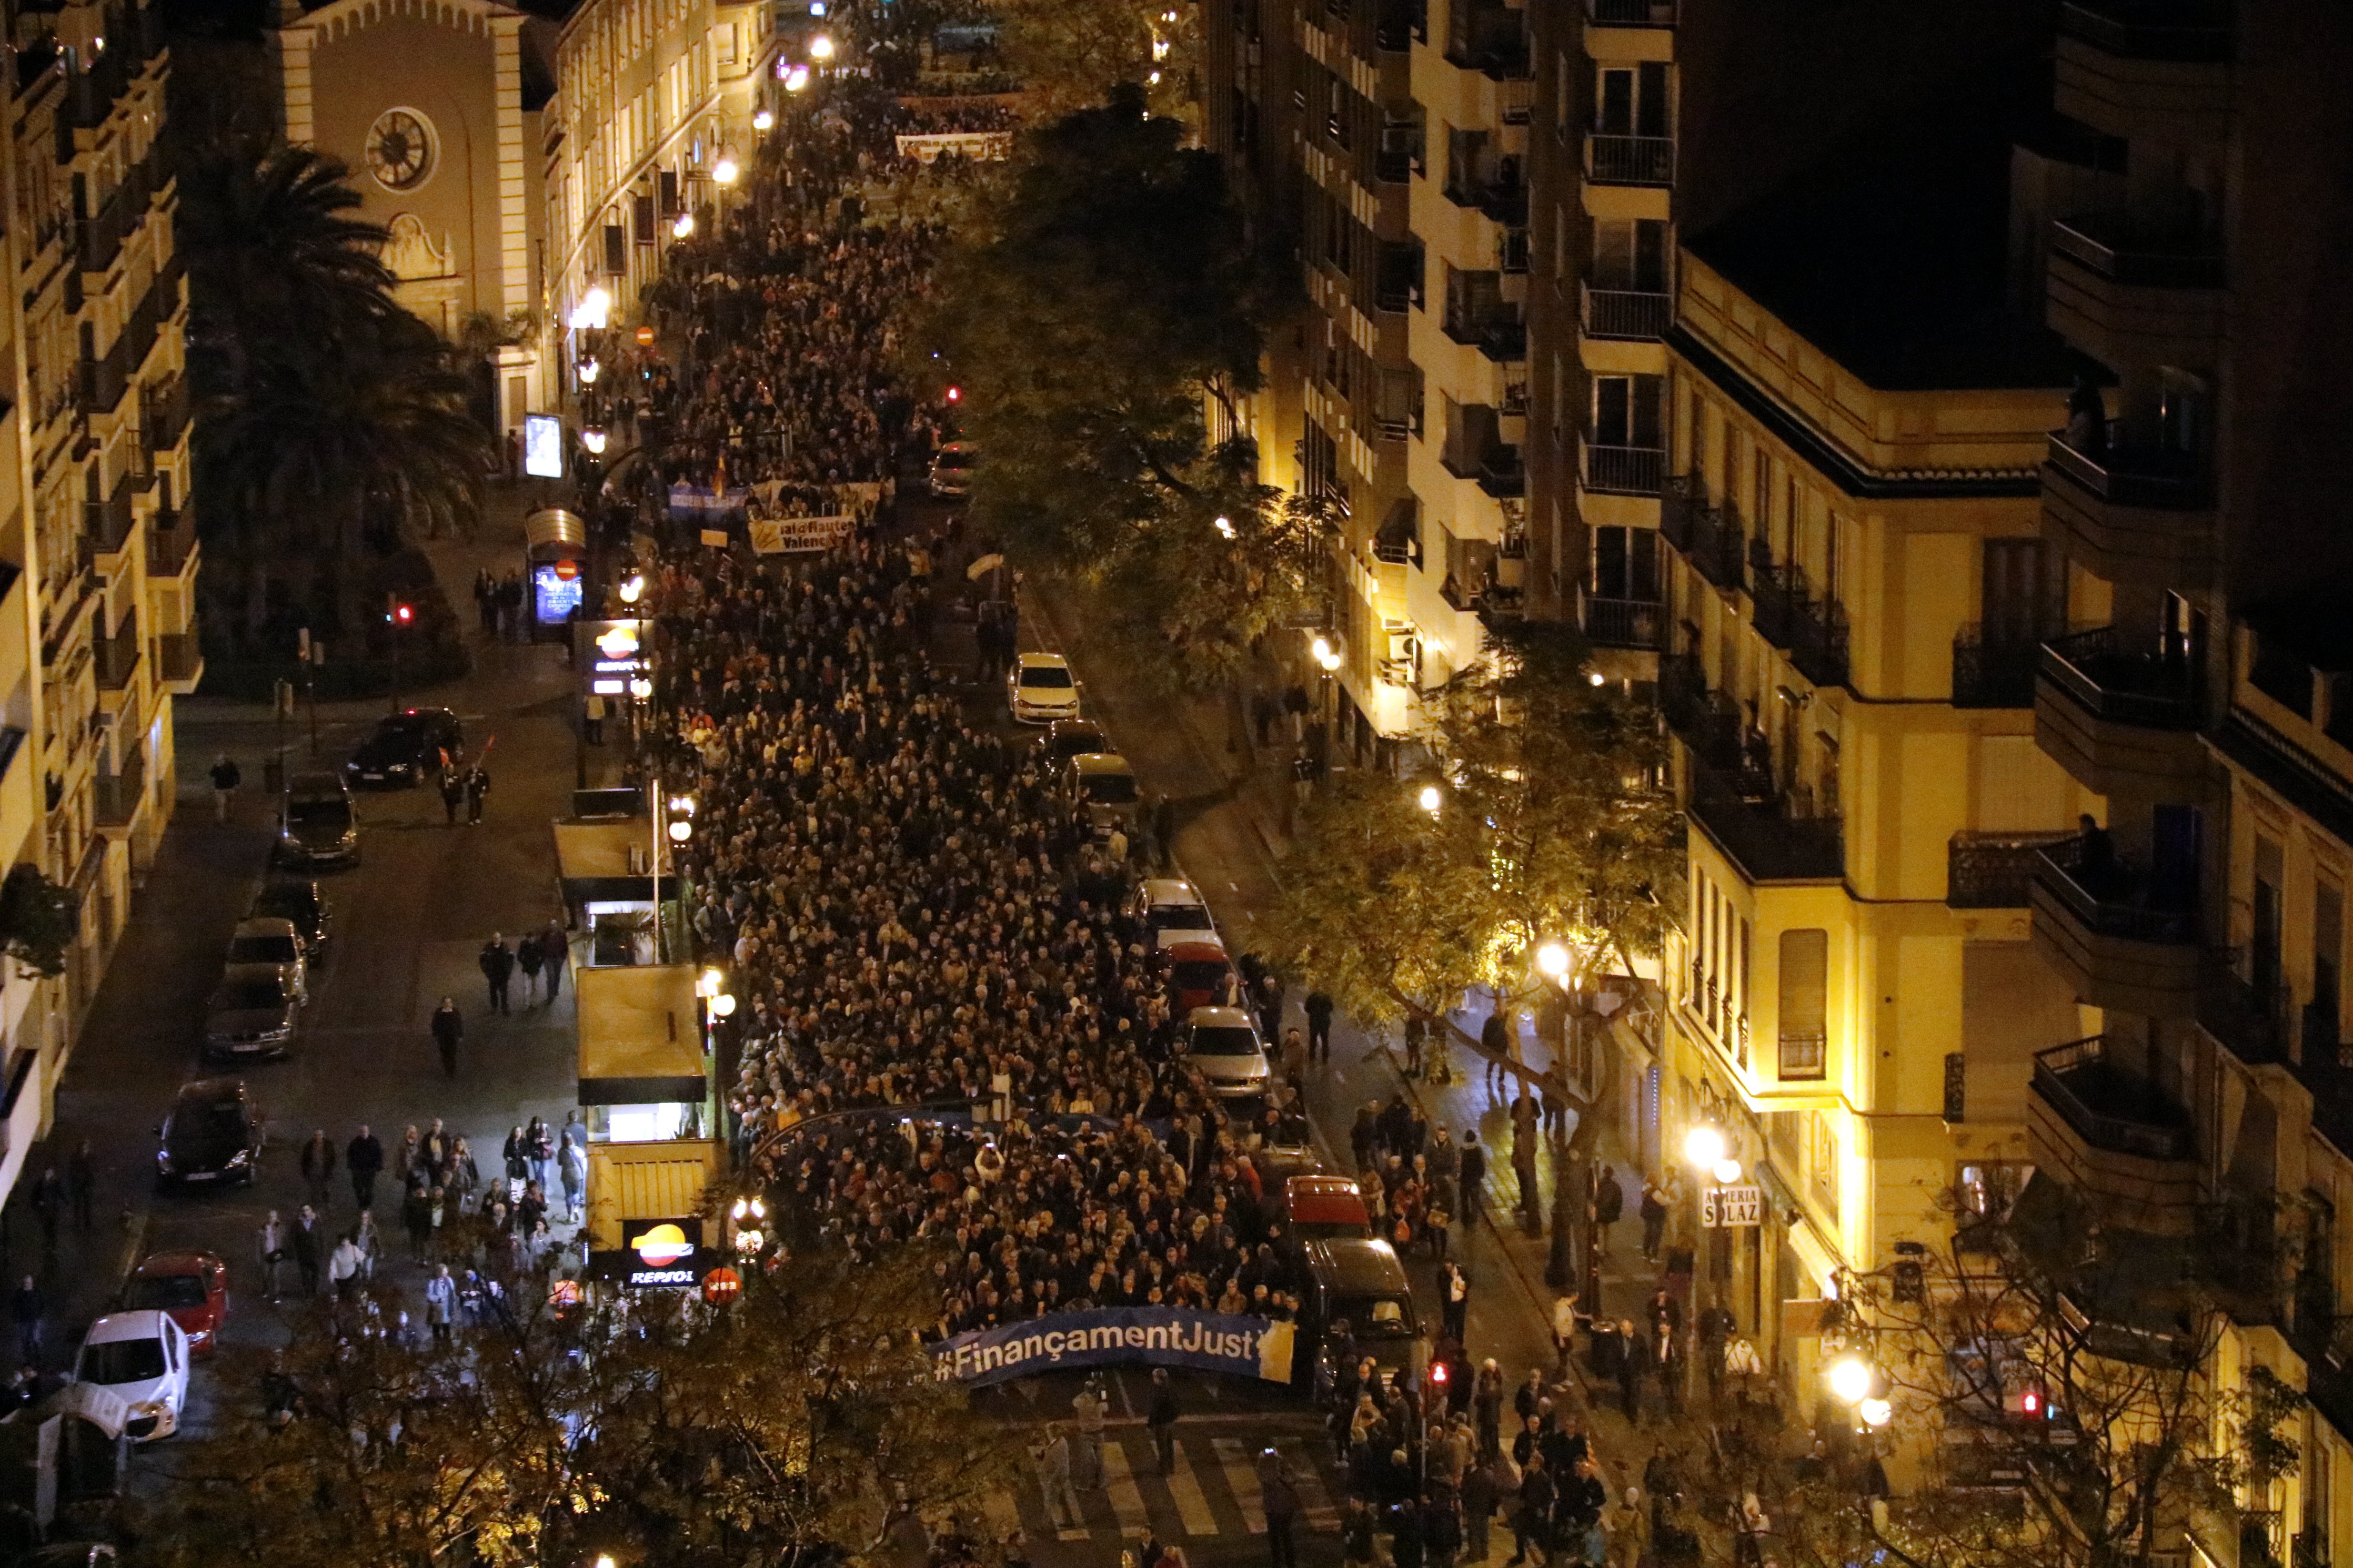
<point x="784" y="535"/>
<point x="1727" y="1206"/>
<point x="542" y="445"/>
<point x="656" y="1254"/>
<point x="1151" y="1336"/>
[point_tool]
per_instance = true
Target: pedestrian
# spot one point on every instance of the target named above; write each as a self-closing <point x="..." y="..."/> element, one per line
<point x="1496" y="1044"/>
<point x="364" y="1158"/>
<point x="449" y="1029"/>
<point x="1089" y="1409"/>
<point x="345" y="1265"/>
<point x="81" y="1184"/>
<point x="453" y="795"/>
<point x="477" y="789"/>
<point x="370" y="1241"/>
<point x="26" y="1308"/>
<point x="1473" y="1183"/>
<point x="1454" y="1301"/>
<point x="517" y="1157"/>
<point x="307" y="1245"/>
<point x="592" y="720"/>
<point x="1478" y="1509"/>
<point x="497" y="962"/>
<point x="573" y="1159"/>
<point x="49" y="1204"/>
<point x="440" y="1302"/>
<point x="1750" y="1525"/>
<point x="1277" y="1492"/>
<point x="1487" y="1411"/>
<point x="1608" y="1206"/>
<point x="1054" y="1477"/>
<point x="527" y="959"/>
<point x="1319" y="1026"/>
<point x="319" y="1167"/>
<point x="1633" y="1362"/>
<point x="1532" y="1519"/>
<point x="416" y="1218"/>
<point x="1294" y="1058"/>
<point x="226" y="778"/>
<point x="1654" y="1218"/>
<point x="542" y="1143"/>
<point x="554" y="953"/>
<point x="270" y="1249"/>
<point x="1524" y="1142"/>
<point x="1563" y="1331"/>
<point x="1161" y="1421"/>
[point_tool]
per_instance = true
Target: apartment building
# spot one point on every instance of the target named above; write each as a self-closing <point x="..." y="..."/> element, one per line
<point x="652" y="122"/>
<point x="99" y="547"/>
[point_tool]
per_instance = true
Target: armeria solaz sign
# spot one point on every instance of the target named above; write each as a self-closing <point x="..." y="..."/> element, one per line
<point x="1155" y="1336"/>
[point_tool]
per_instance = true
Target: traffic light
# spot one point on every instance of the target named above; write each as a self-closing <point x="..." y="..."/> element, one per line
<point x="2030" y="1403"/>
<point x="400" y="613"/>
<point x="1437" y="1373"/>
<point x="956" y="395"/>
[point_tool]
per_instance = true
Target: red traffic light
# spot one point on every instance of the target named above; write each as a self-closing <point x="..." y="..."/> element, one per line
<point x="1437" y="1373"/>
<point x="2030" y="1402"/>
<point x="956" y="395"/>
<point x="403" y="613"/>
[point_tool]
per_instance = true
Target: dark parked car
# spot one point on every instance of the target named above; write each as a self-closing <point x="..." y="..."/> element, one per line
<point x="1068" y="738"/>
<point x="211" y="1137"/>
<point x="249" y="1013"/>
<point x="407" y="747"/>
<point x="316" y="824"/>
<point x="301" y="902"/>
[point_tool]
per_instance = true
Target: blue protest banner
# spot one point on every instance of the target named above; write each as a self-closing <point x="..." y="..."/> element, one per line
<point x="1153" y="1336"/>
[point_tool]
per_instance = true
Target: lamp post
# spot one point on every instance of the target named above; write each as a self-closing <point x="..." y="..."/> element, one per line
<point x="1710" y="1153"/>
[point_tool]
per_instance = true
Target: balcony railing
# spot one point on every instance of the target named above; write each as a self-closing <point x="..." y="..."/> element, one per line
<point x="106" y="525"/>
<point x="2110" y="244"/>
<point x="2190" y="31"/>
<point x="1626" y="313"/>
<point x="1774" y="838"/>
<point x="115" y="797"/>
<point x="1506" y="342"/>
<point x="1707" y="721"/>
<point x="118" y="659"/>
<point x="2136" y="689"/>
<point x="1997" y="674"/>
<point x="2107" y="1107"/>
<point x="167" y="417"/>
<point x="1500" y="473"/>
<point x="1993" y="870"/>
<point x="170" y="540"/>
<point x="1625" y="623"/>
<point x="2253" y="1021"/>
<point x="1621" y="470"/>
<point x="1804" y="1056"/>
<point x="104" y="380"/>
<point x="2111" y="898"/>
<point x="180" y="654"/>
<point x="1631" y="13"/>
<point x="2133" y="476"/>
<point x="1614" y="160"/>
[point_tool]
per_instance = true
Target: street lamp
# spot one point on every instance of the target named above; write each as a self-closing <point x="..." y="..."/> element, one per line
<point x="1226" y="527"/>
<point x="588" y="369"/>
<point x="761" y="120"/>
<point x="632" y="585"/>
<point x="1430" y="799"/>
<point x="797" y="79"/>
<point x="683" y="226"/>
<point x="723" y="1005"/>
<point x="1704" y="1147"/>
<point x="1552" y="959"/>
<point x="1851" y="1379"/>
<point x="591" y="314"/>
<point x="726" y="169"/>
<point x="707" y="984"/>
<point x="821" y="47"/>
<point x="593" y="438"/>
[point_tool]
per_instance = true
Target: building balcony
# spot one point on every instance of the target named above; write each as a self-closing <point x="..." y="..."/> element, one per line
<point x="1638" y="624"/>
<point x="1620" y="470"/>
<point x="115" y="798"/>
<point x="2121" y="723"/>
<point x="2111" y="247"/>
<point x="2256" y="1022"/>
<point x="171" y="544"/>
<point x="1996" y="673"/>
<point x="1804" y="1056"/>
<point x="2113" y="1138"/>
<point x="180" y="661"/>
<point x="2127" y="297"/>
<point x="107" y="526"/>
<point x="1771" y="834"/>
<point x="1707" y="721"/>
<point x="1705" y="535"/>
<point x="2122" y="938"/>
<point x="1993" y="870"/>
<point x="2184" y="31"/>
<point x="1629" y="313"/>
<point x="103" y="382"/>
<point x="1813" y="631"/>
<point x="1614" y="160"/>
<point x="2136" y="516"/>
<point x="1630" y="13"/>
<point x="2156" y="68"/>
<point x="1501" y="474"/>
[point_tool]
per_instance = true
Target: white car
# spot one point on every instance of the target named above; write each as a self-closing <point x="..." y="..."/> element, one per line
<point x="1041" y="689"/>
<point x="142" y="1358"/>
<point x="1172" y="910"/>
<point x="1222" y="1045"/>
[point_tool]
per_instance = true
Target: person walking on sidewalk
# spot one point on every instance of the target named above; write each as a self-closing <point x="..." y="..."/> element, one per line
<point x="26" y="1308"/>
<point x="1608" y="1206"/>
<point x="449" y="1029"/>
<point x="49" y="1205"/>
<point x="319" y="1167"/>
<point x="527" y="959"/>
<point x="308" y="1244"/>
<point x="478" y="790"/>
<point x="364" y="1158"/>
<point x="1454" y="1301"/>
<point x="226" y="778"/>
<point x="497" y="962"/>
<point x="1278" y="1493"/>
<point x="1473" y="1183"/>
<point x="1161" y="1421"/>
<point x="1524" y="1140"/>
<point x="1654" y="1218"/>
<point x="1495" y="1043"/>
<point x="1054" y="1477"/>
<point x="440" y="1302"/>
<point x="555" y="953"/>
<point x="270" y="1250"/>
<point x="1319" y="1027"/>
<point x="81" y="1184"/>
<point x="453" y="795"/>
<point x="1088" y="1408"/>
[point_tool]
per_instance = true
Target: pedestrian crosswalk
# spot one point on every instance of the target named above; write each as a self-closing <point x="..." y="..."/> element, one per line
<point x="1211" y="1492"/>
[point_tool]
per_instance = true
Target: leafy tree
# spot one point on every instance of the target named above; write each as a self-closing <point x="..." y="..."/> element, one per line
<point x="798" y="1424"/>
<point x="38" y="921"/>
<point x="1553" y="824"/>
<point x="1077" y="57"/>
<point x="1093" y="315"/>
<point x="2077" y="1373"/>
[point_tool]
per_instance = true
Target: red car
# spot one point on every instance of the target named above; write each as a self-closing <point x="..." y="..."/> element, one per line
<point x="192" y="1287"/>
<point x="1198" y="974"/>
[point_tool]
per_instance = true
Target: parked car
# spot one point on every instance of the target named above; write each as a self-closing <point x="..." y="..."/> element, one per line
<point x="1359" y="1282"/>
<point x="1199" y="975"/>
<point x="191" y="1288"/>
<point x="407" y="747"/>
<point x="316" y="824"/>
<point x="212" y="1136"/>
<point x="1106" y="785"/>
<point x="142" y="1358"/>
<point x="1325" y="1207"/>
<point x="952" y="468"/>
<point x="1222" y="1045"/>
<point x="249" y="1013"/>
<point x="1068" y="738"/>
<point x="1040" y="688"/>
<point x="1171" y="910"/>
<point x="260" y="943"/>
<point x="301" y="902"/>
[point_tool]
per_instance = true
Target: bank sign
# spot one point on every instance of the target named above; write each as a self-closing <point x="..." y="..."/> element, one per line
<point x="1150" y="1336"/>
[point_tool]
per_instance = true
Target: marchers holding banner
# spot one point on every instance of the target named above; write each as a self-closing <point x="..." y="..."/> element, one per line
<point x="980" y="144"/>
<point x="781" y="535"/>
<point x="1153" y="1336"/>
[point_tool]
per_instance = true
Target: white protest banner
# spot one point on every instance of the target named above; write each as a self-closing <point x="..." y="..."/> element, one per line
<point x="784" y="535"/>
<point x="982" y="144"/>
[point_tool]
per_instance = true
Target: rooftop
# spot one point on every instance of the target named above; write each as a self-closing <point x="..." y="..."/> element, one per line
<point x="1891" y="256"/>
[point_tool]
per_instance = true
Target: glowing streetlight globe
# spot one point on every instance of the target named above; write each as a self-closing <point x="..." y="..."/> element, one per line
<point x="1553" y="959"/>
<point x="1875" y="1413"/>
<point x="821" y="47"/>
<point x="761" y="120"/>
<point x="1851" y="1379"/>
<point x="723" y="1005"/>
<point x="1726" y="1171"/>
<point x="683" y="227"/>
<point x="1705" y="1147"/>
<point x="1429" y="799"/>
<point x="726" y="171"/>
<point x="679" y="832"/>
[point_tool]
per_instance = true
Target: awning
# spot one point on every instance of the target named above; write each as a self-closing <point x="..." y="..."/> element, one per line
<point x="640" y="1035"/>
<point x="602" y="860"/>
<point x="552" y="533"/>
<point x="646" y="1181"/>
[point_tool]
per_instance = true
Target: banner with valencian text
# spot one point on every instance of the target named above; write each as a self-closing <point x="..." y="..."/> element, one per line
<point x="1152" y="1336"/>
